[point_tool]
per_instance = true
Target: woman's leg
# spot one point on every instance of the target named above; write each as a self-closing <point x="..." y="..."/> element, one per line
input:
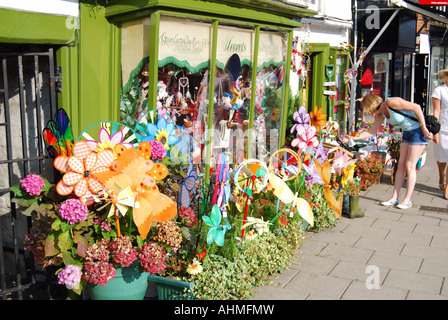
<point x="400" y="175"/>
<point x="413" y="154"/>
<point x="446" y="185"/>
<point x="442" y="180"/>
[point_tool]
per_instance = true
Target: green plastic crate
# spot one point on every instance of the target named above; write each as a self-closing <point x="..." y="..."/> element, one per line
<point x="171" y="289"/>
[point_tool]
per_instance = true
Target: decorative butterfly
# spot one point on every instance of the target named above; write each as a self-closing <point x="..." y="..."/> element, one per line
<point x="217" y="231"/>
<point x="58" y="135"/>
<point x="284" y="193"/>
<point x="154" y="171"/>
<point x="341" y="161"/>
<point x="177" y="158"/>
<point x="313" y="176"/>
<point x="149" y="205"/>
<point x="188" y="186"/>
<point x="320" y="154"/>
<point x="324" y="171"/>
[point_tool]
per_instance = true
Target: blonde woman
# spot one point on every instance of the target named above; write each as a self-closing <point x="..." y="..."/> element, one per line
<point x="440" y="105"/>
<point x="415" y="139"/>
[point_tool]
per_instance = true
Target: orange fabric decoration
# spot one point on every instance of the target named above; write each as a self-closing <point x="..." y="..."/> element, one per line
<point x="324" y="172"/>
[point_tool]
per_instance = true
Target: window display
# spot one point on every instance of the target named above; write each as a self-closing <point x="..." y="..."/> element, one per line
<point x="183" y="88"/>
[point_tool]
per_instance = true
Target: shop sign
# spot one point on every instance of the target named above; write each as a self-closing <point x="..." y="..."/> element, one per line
<point x="189" y="43"/>
<point x="185" y="41"/>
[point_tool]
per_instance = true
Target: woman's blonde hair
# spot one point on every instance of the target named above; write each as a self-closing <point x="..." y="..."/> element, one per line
<point x="370" y="103"/>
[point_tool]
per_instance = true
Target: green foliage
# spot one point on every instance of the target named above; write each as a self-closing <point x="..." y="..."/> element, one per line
<point x="324" y="216"/>
<point x="232" y="278"/>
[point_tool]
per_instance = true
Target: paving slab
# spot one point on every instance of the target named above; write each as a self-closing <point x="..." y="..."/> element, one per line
<point x="404" y="251"/>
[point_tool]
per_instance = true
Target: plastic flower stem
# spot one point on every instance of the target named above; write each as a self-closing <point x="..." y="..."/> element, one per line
<point x="272" y="220"/>
<point x="117" y="222"/>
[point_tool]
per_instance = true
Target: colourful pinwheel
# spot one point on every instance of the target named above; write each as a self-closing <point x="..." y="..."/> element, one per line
<point x="318" y="117"/>
<point x="302" y="118"/>
<point x="217" y="231"/>
<point x="161" y="132"/>
<point x="306" y="139"/>
<point x="80" y="171"/>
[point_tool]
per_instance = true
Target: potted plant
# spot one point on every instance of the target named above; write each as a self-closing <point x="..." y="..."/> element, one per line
<point x="101" y="241"/>
<point x="370" y="169"/>
<point x="182" y="265"/>
<point x="393" y="146"/>
<point x="353" y="189"/>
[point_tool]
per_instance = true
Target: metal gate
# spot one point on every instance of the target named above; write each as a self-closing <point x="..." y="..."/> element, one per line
<point x="27" y="102"/>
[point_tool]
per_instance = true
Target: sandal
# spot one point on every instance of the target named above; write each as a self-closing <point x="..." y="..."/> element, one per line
<point x="446" y="196"/>
<point x="442" y="186"/>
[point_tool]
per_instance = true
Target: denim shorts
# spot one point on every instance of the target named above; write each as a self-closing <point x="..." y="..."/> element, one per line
<point x="414" y="137"/>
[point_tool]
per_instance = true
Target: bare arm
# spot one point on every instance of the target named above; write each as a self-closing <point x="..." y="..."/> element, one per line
<point x="379" y="119"/>
<point x="400" y="104"/>
<point x="436" y="112"/>
<point x="369" y="133"/>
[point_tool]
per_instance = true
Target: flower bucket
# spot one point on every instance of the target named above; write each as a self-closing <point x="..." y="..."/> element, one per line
<point x="171" y="289"/>
<point x="128" y="284"/>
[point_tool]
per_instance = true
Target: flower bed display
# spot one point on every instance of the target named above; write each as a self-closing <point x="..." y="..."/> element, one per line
<point x="135" y="200"/>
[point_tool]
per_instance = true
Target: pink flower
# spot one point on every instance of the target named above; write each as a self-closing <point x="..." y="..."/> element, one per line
<point x="73" y="211"/>
<point x="70" y="275"/>
<point x="32" y="184"/>
<point x="99" y="272"/>
<point x="122" y="251"/>
<point x="158" y="151"/>
<point x="187" y="214"/>
<point x="152" y="258"/>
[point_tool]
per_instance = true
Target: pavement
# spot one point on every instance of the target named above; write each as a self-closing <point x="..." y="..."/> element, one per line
<point x="389" y="254"/>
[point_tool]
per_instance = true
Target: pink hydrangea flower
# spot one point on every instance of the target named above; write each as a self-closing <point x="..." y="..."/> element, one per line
<point x="73" y="211"/>
<point x="122" y="251"/>
<point x="99" y="272"/>
<point x="158" y="151"/>
<point x="152" y="258"/>
<point x="187" y="214"/>
<point x="32" y="184"/>
<point x="70" y="276"/>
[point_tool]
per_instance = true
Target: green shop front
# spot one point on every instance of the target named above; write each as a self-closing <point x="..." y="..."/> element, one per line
<point x="218" y="71"/>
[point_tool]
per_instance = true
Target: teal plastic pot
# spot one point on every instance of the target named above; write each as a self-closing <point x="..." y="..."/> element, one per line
<point x="128" y="284"/>
<point x="171" y="289"/>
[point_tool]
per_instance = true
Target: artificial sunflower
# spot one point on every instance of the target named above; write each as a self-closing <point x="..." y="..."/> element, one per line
<point x="318" y="117"/>
<point x="162" y="132"/>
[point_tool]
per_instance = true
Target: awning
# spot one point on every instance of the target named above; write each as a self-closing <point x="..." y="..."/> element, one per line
<point x="409" y="6"/>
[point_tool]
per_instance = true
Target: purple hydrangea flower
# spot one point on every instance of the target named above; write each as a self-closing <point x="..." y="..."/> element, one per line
<point x="32" y="184"/>
<point x="70" y="276"/>
<point x="73" y="211"/>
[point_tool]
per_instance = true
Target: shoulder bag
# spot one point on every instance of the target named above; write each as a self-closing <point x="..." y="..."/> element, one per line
<point x="432" y="124"/>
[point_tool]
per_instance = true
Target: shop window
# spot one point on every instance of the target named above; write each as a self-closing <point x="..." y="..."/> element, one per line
<point x="184" y="75"/>
<point x="134" y="67"/>
<point x="269" y="93"/>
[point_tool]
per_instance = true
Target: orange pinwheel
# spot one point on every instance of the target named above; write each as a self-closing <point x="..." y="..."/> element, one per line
<point x="318" y="118"/>
<point x="149" y="205"/>
<point x="80" y="170"/>
<point x="324" y="171"/>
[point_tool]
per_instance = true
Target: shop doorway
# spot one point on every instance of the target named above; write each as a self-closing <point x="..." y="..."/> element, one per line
<point x="421" y="81"/>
